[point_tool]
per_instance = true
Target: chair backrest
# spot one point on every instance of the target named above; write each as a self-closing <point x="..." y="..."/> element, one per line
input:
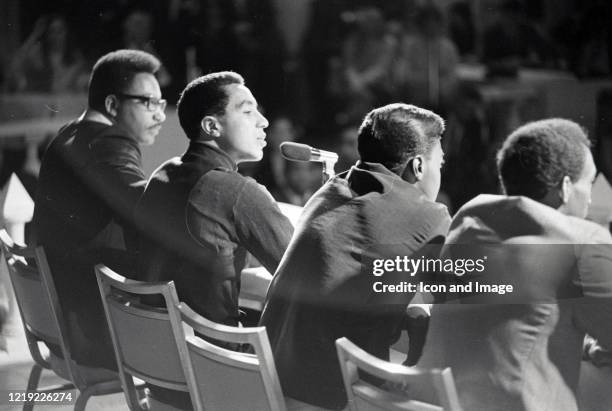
<point x="36" y="298"/>
<point x="143" y="338"/>
<point x="223" y="379"/>
<point x="363" y="395"/>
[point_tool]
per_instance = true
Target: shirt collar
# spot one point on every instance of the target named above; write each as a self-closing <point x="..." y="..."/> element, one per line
<point x="210" y="154"/>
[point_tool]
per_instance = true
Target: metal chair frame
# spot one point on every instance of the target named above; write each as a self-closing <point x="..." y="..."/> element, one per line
<point x="109" y="282"/>
<point x="189" y="323"/>
<point x="16" y="255"/>
<point x="353" y="359"/>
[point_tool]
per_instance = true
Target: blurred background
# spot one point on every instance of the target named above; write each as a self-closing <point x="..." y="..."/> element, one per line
<point x="317" y="67"/>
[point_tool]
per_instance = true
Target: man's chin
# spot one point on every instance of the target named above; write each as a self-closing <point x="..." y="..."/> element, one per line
<point x="147" y="140"/>
<point x="251" y="158"/>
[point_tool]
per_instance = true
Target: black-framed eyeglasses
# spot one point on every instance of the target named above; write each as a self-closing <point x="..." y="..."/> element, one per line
<point x="151" y="103"/>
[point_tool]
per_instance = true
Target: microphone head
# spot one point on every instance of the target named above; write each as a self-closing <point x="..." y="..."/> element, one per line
<point x="296" y="151"/>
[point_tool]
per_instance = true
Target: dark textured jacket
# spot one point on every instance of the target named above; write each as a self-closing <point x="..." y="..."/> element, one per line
<point x="323" y="288"/>
<point x="199" y="217"/>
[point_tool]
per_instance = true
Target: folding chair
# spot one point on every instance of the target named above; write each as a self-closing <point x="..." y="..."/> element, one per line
<point x="221" y="379"/>
<point x="142" y="334"/>
<point x="44" y="323"/>
<point x="363" y="395"/>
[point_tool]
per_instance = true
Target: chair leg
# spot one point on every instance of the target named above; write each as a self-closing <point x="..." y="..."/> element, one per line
<point x="33" y="381"/>
<point x="34" y="377"/>
<point x="82" y="399"/>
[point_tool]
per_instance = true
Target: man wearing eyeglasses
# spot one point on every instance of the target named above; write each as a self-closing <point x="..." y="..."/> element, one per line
<point x="90" y="179"/>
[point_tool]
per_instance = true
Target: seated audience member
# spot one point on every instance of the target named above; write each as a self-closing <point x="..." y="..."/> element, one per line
<point x="320" y="292"/>
<point x="90" y="179"/>
<point x="522" y="350"/>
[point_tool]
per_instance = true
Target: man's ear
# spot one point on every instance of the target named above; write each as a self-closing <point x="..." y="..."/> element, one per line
<point x="413" y="171"/>
<point x="111" y="104"/>
<point x="417" y="167"/>
<point x="564" y="192"/>
<point x="211" y="126"/>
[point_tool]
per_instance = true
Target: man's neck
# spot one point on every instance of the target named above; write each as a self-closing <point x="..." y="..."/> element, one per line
<point x="94" y="115"/>
<point x="213" y="143"/>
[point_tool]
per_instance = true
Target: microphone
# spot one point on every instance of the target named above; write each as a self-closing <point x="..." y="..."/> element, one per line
<point x="303" y="152"/>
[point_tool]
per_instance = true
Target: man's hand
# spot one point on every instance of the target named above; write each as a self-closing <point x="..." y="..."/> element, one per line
<point x="595" y="353"/>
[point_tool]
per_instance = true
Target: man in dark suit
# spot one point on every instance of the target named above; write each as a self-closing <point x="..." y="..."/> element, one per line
<point x="206" y="215"/>
<point x="90" y="179"/>
<point x="323" y="290"/>
<point x="521" y="350"/>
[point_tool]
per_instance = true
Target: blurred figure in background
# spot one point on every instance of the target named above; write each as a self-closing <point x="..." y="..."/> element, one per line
<point x="461" y="29"/>
<point x="347" y="151"/>
<point x="595" y="51"/>
<point x="48" y="61"/>
<point x="424" y="71"/>
<point x="251" y="44"/>
<point x="137" y="35"/>
<point x="513" y="41"/>
<point x="360" y="77"/>
<point x="301" y="180"/>
<point x="322" y="42"/>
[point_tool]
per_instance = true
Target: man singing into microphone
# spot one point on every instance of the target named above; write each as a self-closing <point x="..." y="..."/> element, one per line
<point x="321" y="291"/>
<point x="202" y="215"/>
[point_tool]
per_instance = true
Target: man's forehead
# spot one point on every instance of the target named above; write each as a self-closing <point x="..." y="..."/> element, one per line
<point x="144" y="84"/>
<point x="239" y="96"/>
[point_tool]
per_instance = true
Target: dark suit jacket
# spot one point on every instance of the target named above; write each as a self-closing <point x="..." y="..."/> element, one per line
<point x="522" y="350"/>
<point x="90" y="180"/>
<point x="323" y="289"/>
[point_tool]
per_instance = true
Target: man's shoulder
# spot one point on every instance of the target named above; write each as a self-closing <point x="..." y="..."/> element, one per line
<point x="112" y="139"/>
<point x="515" y="216"/>
<point x="94" y="138"/>
<point x="588" y="232"/>
<point x="411" y="202"/>
<point x="222" y="178"/>
<point x="234" y="187"/>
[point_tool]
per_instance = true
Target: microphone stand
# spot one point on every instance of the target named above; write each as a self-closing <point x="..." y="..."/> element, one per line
<point x="328" y="169"/>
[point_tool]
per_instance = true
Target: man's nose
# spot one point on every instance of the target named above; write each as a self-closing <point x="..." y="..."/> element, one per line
<point x="159" y="116"/>
<point x="262" y="121"/>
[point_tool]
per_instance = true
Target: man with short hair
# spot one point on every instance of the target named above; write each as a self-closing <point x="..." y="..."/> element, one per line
<point x="322" y="289"/>
<point x="207" y="216"/>
<point x="522" y="350"/>
<point x="90" y="180"/>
